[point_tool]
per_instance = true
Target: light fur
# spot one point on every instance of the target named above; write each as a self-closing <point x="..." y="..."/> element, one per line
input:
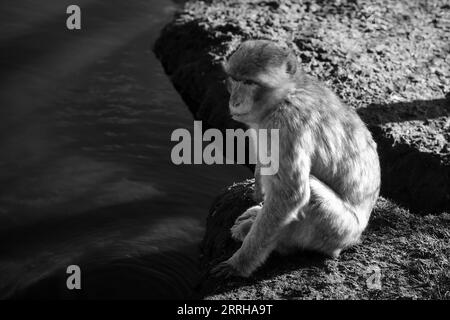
<point x="329" y="174"/>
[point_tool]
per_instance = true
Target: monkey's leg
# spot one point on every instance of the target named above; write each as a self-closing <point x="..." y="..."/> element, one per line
<point x="329" y="224"/>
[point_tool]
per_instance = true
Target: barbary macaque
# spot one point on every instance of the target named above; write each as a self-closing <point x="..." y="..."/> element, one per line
<point x="329" y="173"/>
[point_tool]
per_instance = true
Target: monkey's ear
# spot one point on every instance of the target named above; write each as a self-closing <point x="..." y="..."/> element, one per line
<point x="291" y="64"/>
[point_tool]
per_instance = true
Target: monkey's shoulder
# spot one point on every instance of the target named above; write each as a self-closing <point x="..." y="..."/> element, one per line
<point x="314" y="94"/>
<point x="314" y="101"/>
<point x="297" y="106"/>
<point x="288" y="116"/>
<point x="312" y="108"/>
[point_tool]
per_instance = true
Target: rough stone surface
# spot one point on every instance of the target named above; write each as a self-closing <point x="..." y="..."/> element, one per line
<point x="411" y="253"/>
<point x="389" y="59"/>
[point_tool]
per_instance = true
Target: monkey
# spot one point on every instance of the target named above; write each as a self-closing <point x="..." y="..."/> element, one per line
<point x="328" y="179"/>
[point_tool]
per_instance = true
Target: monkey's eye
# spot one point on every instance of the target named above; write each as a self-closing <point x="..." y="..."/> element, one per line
<point x="248" y="82"/>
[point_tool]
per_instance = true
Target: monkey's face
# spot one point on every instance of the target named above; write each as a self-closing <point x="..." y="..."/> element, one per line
<point x="243" y="95"/>
<point x="259" y="73"/>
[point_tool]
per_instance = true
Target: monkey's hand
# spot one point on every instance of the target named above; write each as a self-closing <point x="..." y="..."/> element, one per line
<point x="244" y="222"/>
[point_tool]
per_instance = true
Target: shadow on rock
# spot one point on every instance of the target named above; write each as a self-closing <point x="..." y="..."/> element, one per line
<point x="415" y="167"/>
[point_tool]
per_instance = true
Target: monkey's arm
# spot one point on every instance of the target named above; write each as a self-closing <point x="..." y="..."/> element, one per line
<point x="286" y="193"/>
<point x="258" y="194"/>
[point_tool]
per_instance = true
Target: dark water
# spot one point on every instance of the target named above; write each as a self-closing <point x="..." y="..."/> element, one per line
<point x="85" y="170"/>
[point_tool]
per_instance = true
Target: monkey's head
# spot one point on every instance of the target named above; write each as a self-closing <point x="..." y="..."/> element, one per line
<point x="259" y="74"/>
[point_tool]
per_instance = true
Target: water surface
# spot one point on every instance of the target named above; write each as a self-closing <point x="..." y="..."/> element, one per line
<point x="85" y="170"/>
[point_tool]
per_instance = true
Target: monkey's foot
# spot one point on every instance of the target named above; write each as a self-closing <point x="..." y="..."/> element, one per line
<point x="224" y="270"/>
<point x="244" y="222"/>
<point x="229" y="268"/>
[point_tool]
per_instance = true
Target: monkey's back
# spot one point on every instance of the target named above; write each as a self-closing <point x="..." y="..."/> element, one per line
<point x="343" y="153"/>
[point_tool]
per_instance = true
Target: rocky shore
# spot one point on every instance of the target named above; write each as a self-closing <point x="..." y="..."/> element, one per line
<point x="387" y="59"/>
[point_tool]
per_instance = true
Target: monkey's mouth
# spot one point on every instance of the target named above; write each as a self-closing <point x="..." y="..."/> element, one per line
<point x="233" y="114"/>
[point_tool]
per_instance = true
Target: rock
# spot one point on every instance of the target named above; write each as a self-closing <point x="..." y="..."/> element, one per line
<point x="410" y="254"/>
<point x="379" y="57"/>
<point x="385" y="61"/>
